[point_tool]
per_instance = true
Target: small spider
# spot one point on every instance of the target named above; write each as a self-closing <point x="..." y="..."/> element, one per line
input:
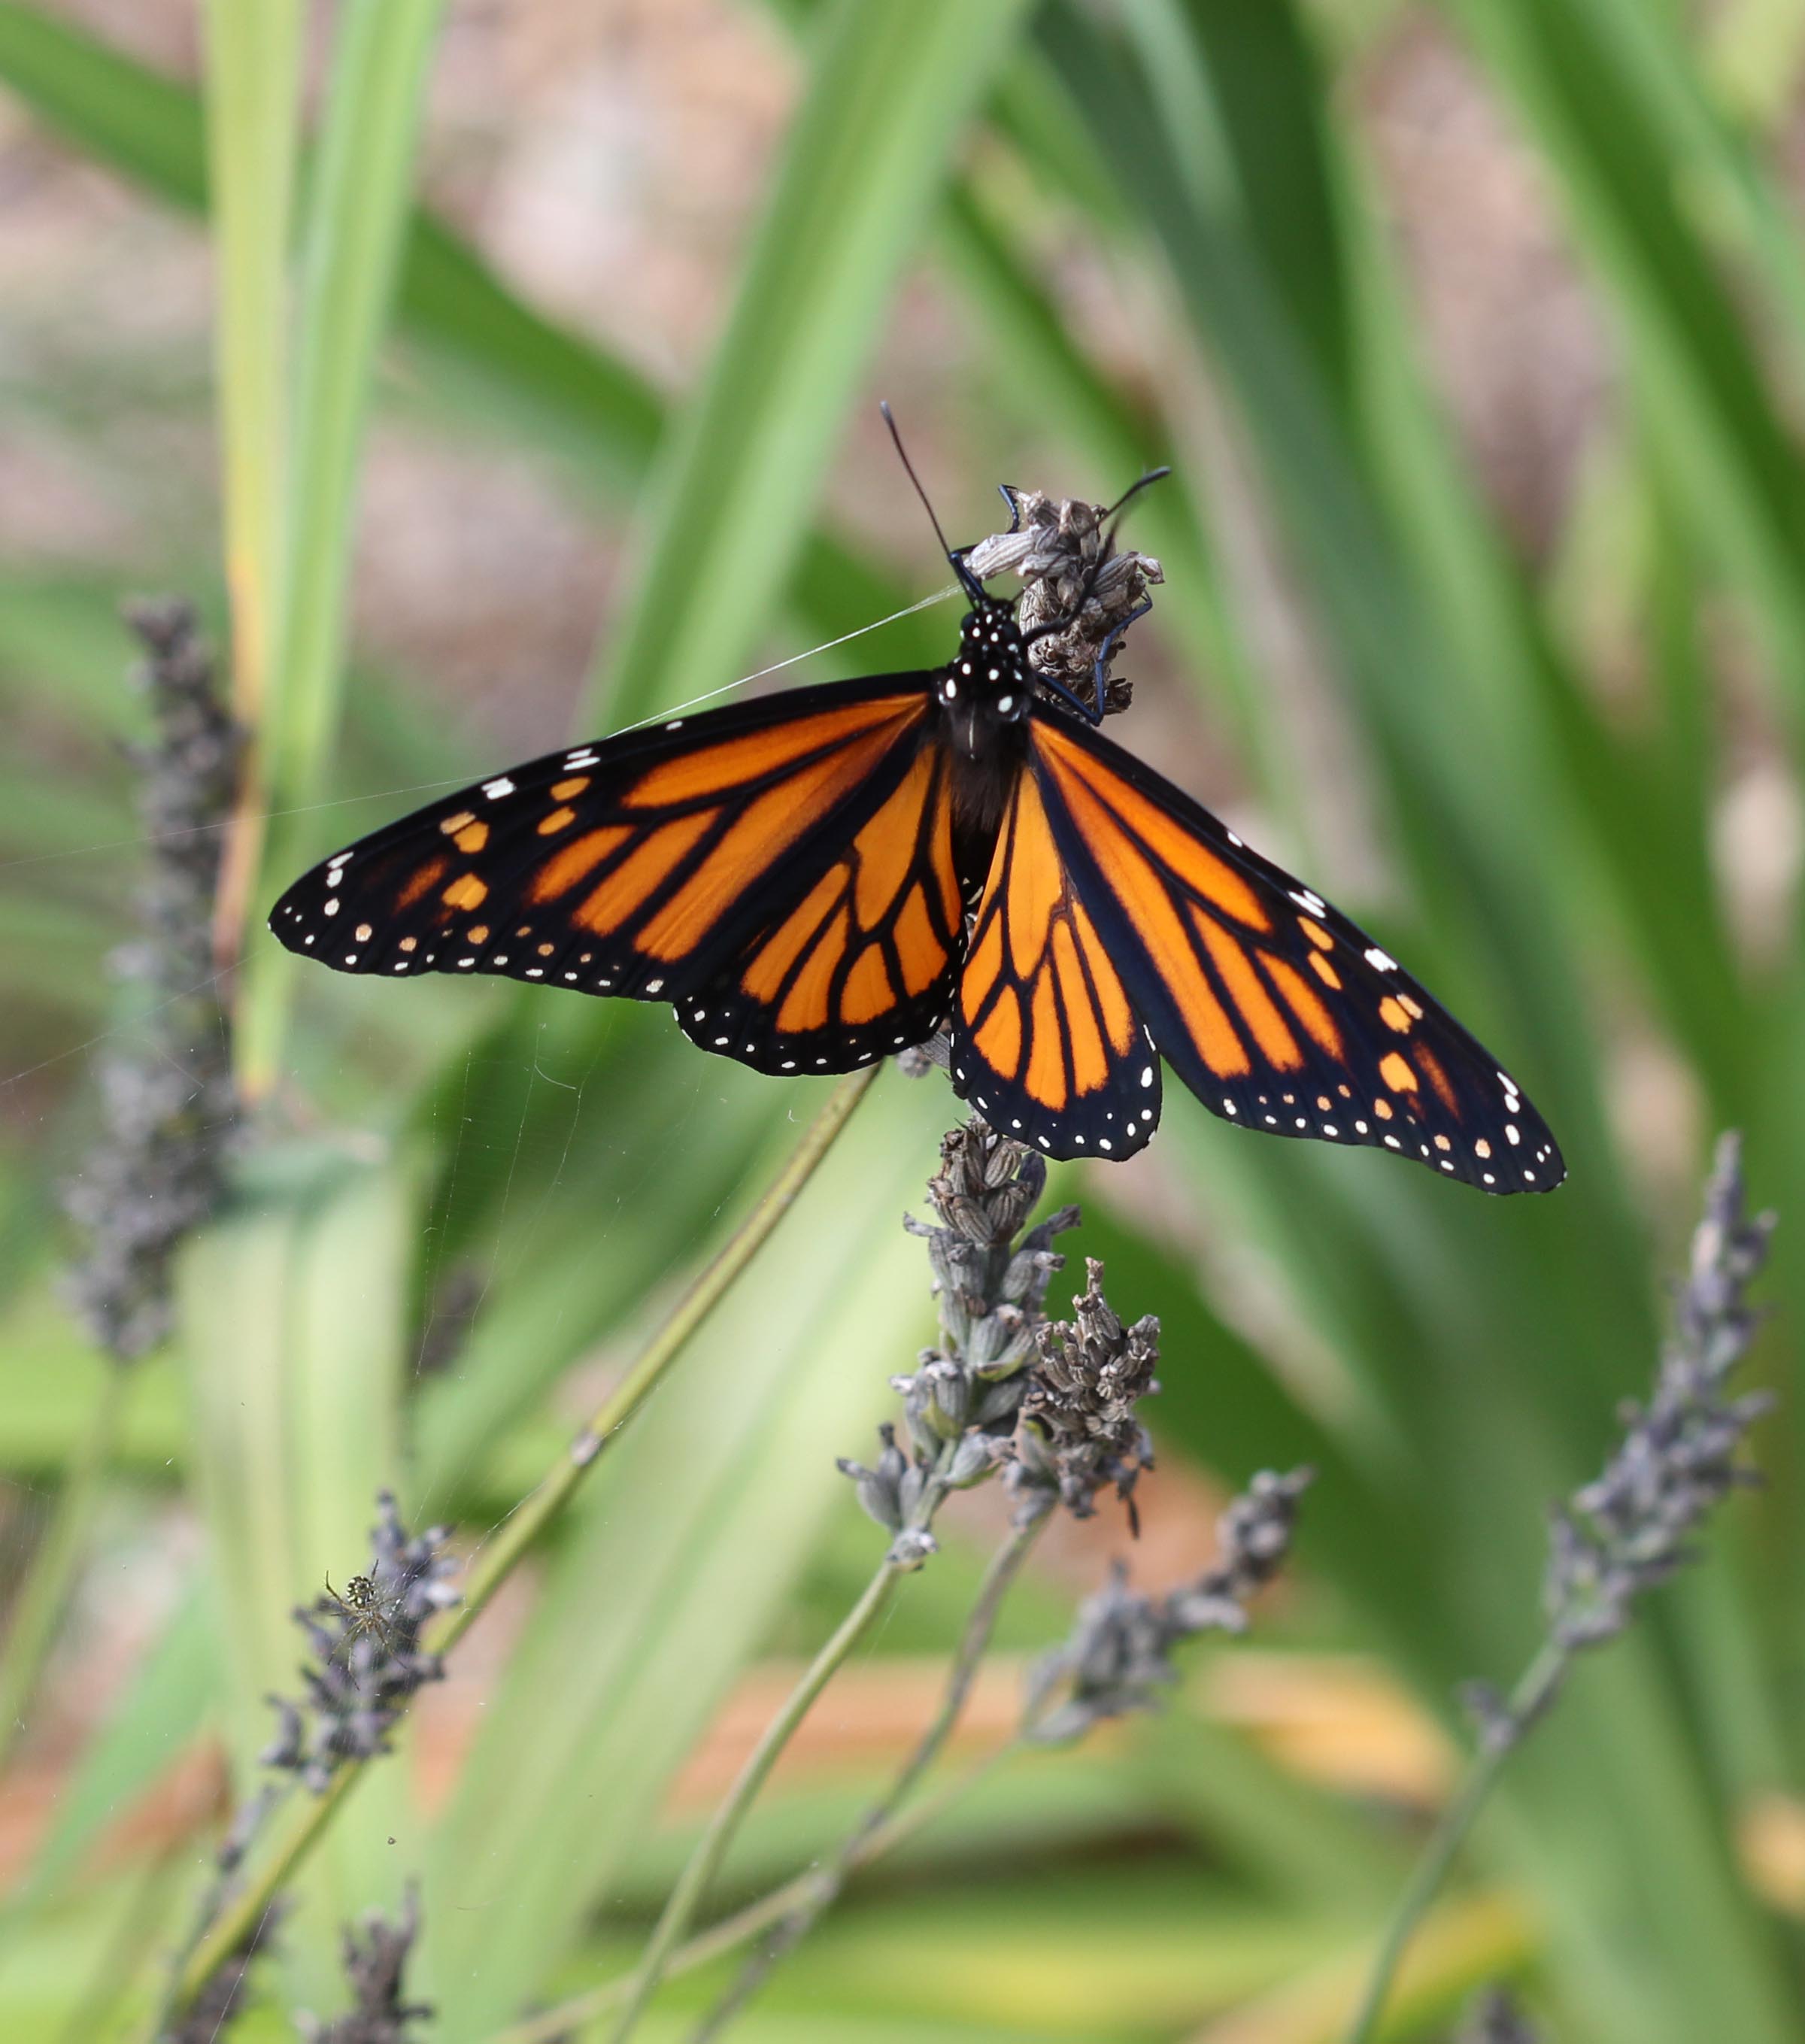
<point x="361" y="1608"/>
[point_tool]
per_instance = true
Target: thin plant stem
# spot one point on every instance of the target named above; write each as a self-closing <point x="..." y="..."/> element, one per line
<point x="1528" y="1701"/>
<point x="44" y="1596"/>
<point x="498" y="1560"/>
<point x="550" y="2025"/>
<point x="704" y="1862"/>
<point x="306" y="1821"/>
<point x="821" y="1888"/>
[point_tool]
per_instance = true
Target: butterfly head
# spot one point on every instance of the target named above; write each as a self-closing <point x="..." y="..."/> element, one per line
<point x="987" y="680"/>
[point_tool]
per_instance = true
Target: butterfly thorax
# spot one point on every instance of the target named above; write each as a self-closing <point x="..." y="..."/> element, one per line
<point x="984" y="693"/>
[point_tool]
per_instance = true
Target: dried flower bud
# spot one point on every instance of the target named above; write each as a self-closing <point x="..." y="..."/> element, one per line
<point x="879" y="1489"/>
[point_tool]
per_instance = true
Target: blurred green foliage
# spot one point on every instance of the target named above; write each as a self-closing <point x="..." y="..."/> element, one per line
<point x="1450" y="1364"/>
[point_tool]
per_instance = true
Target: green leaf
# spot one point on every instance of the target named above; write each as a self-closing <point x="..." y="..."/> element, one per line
<point x="683" y="1549"/>
<point x="893" y="85"/>
<point x="357" y="215"/>
<point x="294" y="1312"/>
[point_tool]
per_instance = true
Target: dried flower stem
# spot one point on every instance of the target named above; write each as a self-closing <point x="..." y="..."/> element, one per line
<point x="821" y="1888"/>
<point x="1529" y="1700"/>
<point x="307" y="1823"/>
<point x="704" y="1861"/>
<point x="1621" y="1534"/>
<point x="552" y="2025"/>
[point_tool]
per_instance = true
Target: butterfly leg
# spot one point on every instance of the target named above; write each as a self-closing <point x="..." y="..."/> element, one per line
<point x="1104" y="652"/>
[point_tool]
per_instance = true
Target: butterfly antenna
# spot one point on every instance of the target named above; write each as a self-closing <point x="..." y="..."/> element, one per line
<point x="1133" y="490"/>
<point x="973" y="588"/>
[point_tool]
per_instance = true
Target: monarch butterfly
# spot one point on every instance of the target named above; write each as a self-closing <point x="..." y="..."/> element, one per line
<point x="820" y="878"/>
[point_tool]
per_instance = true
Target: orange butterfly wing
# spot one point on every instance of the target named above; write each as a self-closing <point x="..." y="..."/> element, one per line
<point x="787" y="860"/>
<point x="1047" y="1044"/>
<point x="1275" y="1009"/>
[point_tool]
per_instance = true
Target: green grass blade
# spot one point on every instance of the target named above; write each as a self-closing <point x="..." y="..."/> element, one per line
<point x="1703" y="393"/>
<point x="893" y="84"/>
<point x="253" y="81"/>
<point x="664" y="1586"/>
<point x="358" y="211"/>
<point x="148" y="126"/>
<point x="295" y="1313"/>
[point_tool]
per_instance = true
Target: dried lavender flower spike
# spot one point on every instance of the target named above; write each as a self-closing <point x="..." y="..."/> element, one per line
<point x="169" y="1110"/>
<point x="1118" y="1658"/>
<point x="1496" y="2018"/>
<point x="366" y="1659"/>
<point x="1630" y="1528"/>
<point x="375" y="1956"/>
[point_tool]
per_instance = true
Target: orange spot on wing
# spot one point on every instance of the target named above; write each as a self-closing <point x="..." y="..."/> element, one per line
<point x="1252" y="1004"/>
<point x="1046" y="1060"/>
<point x="1392" y="1014"/>
<point x="805" y="1005"/>
<point x="923" y="955"/>
<point x="1396" y="1073"/>
<point x="465" y="892"/>
<point x="1000" y="1040"/>
<point x="562" y="791"/>
<point x="421" y="882"/>
<point x="473" y="837"/>
<point x="1186" y="856"/>
<point x="1324" y="971"/>
<point x="643" y="869"/>
<point x="764" y="977"/>
<point x="868" y="993"/>
<point x="1306" y="1004"/>
<point x="576" y="862"/>
<point x="1430" y="1066"/>
<point x="713" y="769"/>
<point x="558" y="820"/>
<point x="1315" y="931"/>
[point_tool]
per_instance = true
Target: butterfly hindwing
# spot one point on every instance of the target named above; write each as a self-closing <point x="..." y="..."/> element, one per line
<point x="1275" y="1009"/>
<point x="640" y="866"/>
<point x="1047" y="1044"/>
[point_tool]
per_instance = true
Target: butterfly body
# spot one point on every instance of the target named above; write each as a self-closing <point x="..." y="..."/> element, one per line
<point x="819" y="878"/>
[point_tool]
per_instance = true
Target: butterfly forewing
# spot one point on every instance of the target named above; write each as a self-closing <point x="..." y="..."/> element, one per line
<point x="1274" y="1008"/>
<point x="1047" y="1044"/>
<point x="862" y="963"/>
<point x="640" y="866"/>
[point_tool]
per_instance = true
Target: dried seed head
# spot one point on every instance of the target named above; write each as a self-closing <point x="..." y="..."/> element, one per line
<point x="1079" y="1427"/>
<point x="1057" y="549"/>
